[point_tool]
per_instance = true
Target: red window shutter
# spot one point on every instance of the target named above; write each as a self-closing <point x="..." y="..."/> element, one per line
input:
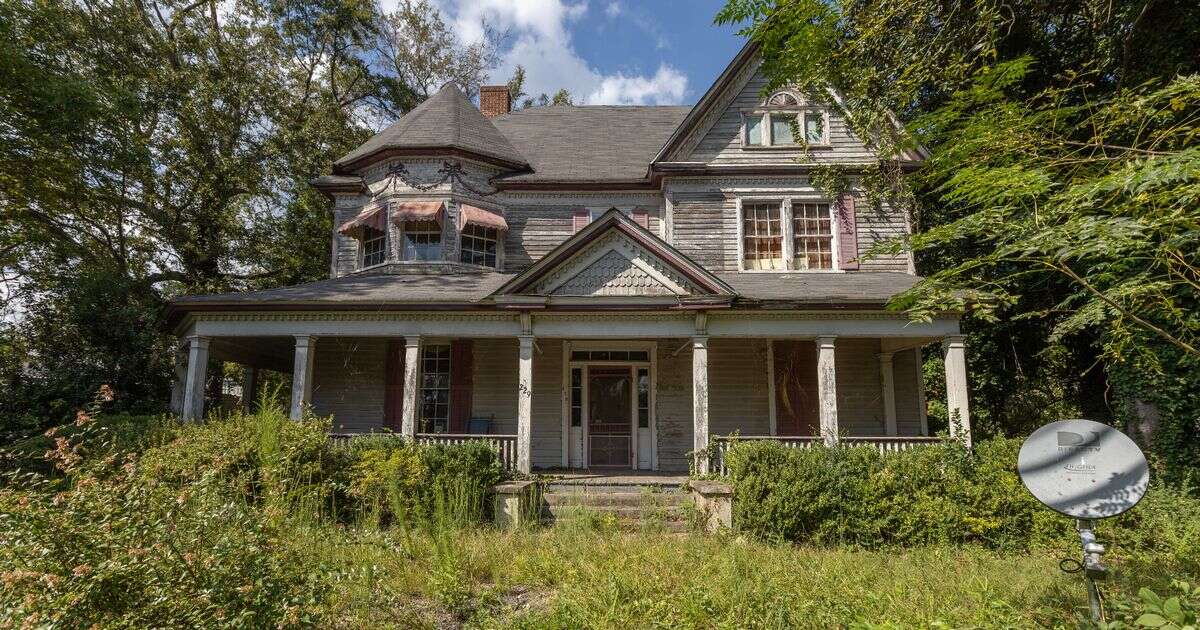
<point x="462" y="369"/>
<point x="796" y="402"/>
<point x="641" y="217"/>
<point x="393" y="385"/>
<point x="581" y="219"/>
<point x="847" y="233"/>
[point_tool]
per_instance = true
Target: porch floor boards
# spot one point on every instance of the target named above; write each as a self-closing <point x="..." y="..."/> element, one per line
<point x="617" y="479"/>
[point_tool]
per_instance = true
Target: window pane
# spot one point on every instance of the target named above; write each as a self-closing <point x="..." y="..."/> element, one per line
<point x="762" y="236"/>
<point x="814" y="127"/>
<point x="422" y="240"/>
<point x="374" y="246"/>
<point x="478" y="245"/>
<point x="781" y="128"/>
<point x="812" y="236"/>
<point x="754" y="133"/>
<point x="435" y="388"/>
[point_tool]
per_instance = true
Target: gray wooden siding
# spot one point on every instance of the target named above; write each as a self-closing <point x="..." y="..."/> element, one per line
<point x="348" y="383"/>
<point x="547" y="403"/>
<point x="534" y="231"/>
<point x="860" y="392"/>
<point x="738" y="387"/>
<point x="705" y="229"/>
<point x="495" y="382"/>
<point x="673" y="405"/>
<point x="722" y="144"/>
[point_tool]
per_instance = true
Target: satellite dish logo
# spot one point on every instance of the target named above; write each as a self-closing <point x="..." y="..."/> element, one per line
<point x="1070" y="440"/>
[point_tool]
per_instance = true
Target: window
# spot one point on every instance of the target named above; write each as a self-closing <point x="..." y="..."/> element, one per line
<point x="479" y="245"/>
<point x="643" y="398"/>
<point x="576" y="397"/>
<point x="422" y="240"/>
<point x="776" y="123"/>
<point x="762" y="236"/>
<point x="374" y="246"/>
<point x="435" y="388"/>
<point x="781" y="129"/>
<point x="812" y="237"/>
<point x="610" y="355"/>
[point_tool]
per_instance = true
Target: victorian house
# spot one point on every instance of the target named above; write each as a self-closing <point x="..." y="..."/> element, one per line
<point x="597" y="286"/>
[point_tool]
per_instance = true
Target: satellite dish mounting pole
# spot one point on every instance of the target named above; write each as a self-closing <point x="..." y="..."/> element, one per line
<point x="1093" y="567"/>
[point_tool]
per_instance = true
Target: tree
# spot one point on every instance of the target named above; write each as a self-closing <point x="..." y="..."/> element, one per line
<point x="1059" y="202"/>
<point x="418" y="47"/>
<point x="520" y="100"/>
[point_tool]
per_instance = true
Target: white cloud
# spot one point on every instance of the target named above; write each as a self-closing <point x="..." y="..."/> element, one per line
<point x="540" y="41"/>
<point x="666" y="87"/>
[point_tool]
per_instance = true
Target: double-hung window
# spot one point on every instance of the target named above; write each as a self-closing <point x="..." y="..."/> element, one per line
<point x="435" y="388"/>
<point x="422" y="240"/>
<point x="374" y="246"/>
<point x="478" y="245"/>
<point x="787" y="235"/>
<point x="762" y="235"/>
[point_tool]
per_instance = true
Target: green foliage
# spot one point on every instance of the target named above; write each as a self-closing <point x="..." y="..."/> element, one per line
<point x="1180" y="610"/>
<point x="927" y="496"/>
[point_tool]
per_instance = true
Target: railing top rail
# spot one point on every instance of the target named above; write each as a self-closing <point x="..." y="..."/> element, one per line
<point x="848" y="438"/>
<point x="471" y="436"/>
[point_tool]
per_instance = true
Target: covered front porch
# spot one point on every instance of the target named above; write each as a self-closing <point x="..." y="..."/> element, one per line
<point x="595" y="391"/>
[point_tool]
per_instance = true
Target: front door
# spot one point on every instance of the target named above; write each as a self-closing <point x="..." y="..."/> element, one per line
<point x="610" y="405"/>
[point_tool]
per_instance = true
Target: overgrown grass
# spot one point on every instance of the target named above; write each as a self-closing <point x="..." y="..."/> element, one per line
<point x="575" y="578"/>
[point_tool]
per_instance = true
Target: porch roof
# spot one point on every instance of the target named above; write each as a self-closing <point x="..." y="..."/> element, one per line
<point x="473" y="291"/>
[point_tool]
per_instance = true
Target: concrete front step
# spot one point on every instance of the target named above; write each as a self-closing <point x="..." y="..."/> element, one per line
<point x="635" y="499"/>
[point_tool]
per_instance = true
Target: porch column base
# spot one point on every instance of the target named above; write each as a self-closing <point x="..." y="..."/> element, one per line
<point x="515" y="504"/>
<point x="714" y="502"/>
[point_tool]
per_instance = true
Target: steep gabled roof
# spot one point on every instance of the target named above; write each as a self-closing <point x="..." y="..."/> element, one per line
<point x="679" y="271"/>
<point x="570" y="143"/>
<point x="446" y="120"/>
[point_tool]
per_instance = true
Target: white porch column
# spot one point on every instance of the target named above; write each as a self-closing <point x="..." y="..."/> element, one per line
<point x="179" y="385"/>
<point x="827" y="390"/>
<point x="954" y="350"/>
<point x="197" y="372"/>
<point x="302" y="369"/>
<point x="525" y="404"/>
<point x="412" y="370"/>
<point x="249" y="387"/>
<point x="888" y="380"/>
<point x="700" y="400"/>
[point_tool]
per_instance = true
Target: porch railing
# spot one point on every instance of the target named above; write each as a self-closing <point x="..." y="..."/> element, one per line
<point x="884" y="444"/>
<point x="505" y="446"/>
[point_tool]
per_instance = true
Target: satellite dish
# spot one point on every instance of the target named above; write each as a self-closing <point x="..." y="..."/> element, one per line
<point x="1083" y="469"/>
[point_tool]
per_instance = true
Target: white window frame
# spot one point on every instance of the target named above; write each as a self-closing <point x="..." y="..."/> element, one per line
<point x="362" y="249"/>
<point x="432" y="428"/>
<point x="785" y="211"/>
<point x="403" y="237"/>
<point x="801" y="112"/>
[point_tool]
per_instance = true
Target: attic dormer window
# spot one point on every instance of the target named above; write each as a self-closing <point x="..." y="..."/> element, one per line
<point x="778" y="121"/>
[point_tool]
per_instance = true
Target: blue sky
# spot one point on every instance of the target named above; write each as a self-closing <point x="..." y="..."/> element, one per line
<point x="647" y="52"/>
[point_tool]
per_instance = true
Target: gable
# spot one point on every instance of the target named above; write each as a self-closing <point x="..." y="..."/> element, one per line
<point x="615" y="265"/>
<point x="718" y="139"/>
<point x="614" y="256"/>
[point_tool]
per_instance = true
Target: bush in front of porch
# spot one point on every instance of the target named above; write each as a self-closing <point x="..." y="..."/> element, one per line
<point x="942" y="494"/>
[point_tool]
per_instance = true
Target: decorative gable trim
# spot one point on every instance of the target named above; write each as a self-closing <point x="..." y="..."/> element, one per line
<point x="614" y="265"/>
<point x="648" y="255"/>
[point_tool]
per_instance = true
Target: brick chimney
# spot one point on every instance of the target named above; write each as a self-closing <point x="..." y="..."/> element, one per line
<point x="494" y="100"/>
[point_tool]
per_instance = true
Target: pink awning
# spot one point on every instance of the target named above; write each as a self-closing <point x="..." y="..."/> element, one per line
<point x="417" y="211"/>
<point x="373" y="216"/>
<point x="479" y="216"/>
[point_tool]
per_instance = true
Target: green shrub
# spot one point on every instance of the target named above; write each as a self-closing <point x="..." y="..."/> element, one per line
<point x="935" y="495"/>
<point x="391" y="478"/>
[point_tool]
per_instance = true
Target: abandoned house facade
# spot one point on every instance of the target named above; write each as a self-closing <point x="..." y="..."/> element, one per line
<point x="596" y="286"/>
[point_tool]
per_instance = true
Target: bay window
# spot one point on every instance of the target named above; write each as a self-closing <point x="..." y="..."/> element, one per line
<point x="478" y="245"/>
<point x="374" y="247"/>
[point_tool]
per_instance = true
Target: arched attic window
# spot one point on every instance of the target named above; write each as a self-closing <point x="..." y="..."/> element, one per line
<point x="783" y="115"/>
